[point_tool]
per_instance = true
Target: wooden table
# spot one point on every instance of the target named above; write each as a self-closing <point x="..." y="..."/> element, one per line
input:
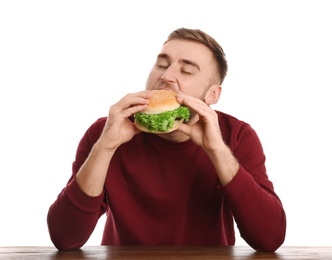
<point x="169" y="253"/>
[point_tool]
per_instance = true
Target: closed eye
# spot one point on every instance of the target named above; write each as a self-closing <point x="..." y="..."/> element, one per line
<point x="186" y="72"/>
<point x="163" y="66"/>
<point x="189" y="67"/>
<point x="162" y="62"/>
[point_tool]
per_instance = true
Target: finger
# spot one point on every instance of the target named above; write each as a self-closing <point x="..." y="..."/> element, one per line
<point x="133" y="99"/>
<point x="190" y="101"/>
<point x="196" y="105"/>
<point x="131" y="103"/>
<point x="186" y="129"/>
<point x="130" y="111"/>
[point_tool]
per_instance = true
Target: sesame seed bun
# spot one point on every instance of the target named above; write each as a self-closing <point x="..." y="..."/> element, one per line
<point x="161" y="101"/>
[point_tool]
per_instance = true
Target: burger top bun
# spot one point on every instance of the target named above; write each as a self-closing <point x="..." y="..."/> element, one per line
<point x="161" y="101"/>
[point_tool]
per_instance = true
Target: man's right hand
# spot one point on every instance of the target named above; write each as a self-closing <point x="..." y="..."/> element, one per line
<point x="118" y="130"/>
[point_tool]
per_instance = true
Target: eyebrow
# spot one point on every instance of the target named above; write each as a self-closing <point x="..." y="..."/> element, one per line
<point x="188" y="62"/>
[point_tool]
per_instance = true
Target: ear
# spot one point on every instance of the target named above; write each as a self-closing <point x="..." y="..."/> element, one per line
<point x="213" y="94"/>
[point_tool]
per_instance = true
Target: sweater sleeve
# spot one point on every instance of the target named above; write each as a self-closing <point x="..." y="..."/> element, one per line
<point x="257" y="210"/>
<point x="73" y="216"/>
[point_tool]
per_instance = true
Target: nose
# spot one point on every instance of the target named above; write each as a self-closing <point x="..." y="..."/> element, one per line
<point x="169" y="74"/>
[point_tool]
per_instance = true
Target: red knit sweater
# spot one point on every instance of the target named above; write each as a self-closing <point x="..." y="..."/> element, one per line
<point x="163" y="193"/>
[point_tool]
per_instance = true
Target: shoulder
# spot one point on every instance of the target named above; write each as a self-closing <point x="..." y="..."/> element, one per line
<point x="95" y="129"/>
<point x="99" y="123"/>
<point x="229" y="121"/>
<point x="234" y="129"/>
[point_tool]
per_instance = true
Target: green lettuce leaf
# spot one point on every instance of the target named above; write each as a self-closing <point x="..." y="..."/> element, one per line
<point x="163" y="121"/>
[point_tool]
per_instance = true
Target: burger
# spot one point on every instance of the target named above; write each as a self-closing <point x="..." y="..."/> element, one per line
<point x="163" y="115"/>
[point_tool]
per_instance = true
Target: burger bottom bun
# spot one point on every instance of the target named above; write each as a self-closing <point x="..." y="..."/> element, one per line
<point x="176" y="125"/>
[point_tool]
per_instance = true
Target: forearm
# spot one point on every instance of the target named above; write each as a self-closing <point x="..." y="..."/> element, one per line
<point x="92" y="174"/>
<point x="258" y="212"/>
<point x="225" y="163"/>
<point x="256" y="208"/>
<point x="73" y="216"/>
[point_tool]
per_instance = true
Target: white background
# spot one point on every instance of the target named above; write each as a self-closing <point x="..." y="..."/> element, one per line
<point x="63" y="63"/>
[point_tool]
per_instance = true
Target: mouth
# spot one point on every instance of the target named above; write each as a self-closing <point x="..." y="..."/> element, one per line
<point x="167" y="86"/>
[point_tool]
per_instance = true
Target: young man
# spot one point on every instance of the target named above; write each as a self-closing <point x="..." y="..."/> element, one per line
<point x="182" y="188"/>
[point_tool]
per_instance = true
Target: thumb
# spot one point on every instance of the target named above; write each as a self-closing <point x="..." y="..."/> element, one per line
<point x="186" y="129"/>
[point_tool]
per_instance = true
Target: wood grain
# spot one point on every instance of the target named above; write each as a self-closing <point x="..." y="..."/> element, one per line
<point x="170" y="253"/>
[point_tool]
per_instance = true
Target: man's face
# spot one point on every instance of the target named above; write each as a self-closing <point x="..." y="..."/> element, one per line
<point x="184" y="66"/>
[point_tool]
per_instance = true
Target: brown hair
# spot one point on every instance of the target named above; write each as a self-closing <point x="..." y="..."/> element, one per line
<point x="203" y="38"/>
